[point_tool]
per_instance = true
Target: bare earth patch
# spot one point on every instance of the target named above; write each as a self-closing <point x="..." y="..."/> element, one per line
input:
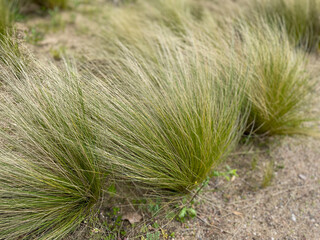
<point x="287" y="209"/>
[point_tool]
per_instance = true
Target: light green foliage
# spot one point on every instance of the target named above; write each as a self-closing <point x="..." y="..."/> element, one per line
<point x="153" y="236"/>
<point x="6" y="17"/>
<point x="49" y="176"/>
<point x="280" y="88"/>
<point x="226" y="174"/>
<point x="268" y="175"/>
<point x="130" y="23"/>
<point x="167" y="121"/>
<point x="300" y="18"/>
<point x="34" y="36"/>
<point x="186" y="212"/>
<point x="176" y="14"/>
<point x="56" y="22"/>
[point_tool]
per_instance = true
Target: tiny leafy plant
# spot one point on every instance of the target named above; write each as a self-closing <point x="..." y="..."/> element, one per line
<point x="34" y="36"/>
<point x="268" y="175"/>
<point x="186" y="212"/>
<point x="56" y="21"/>
<point x="226" y="174"/>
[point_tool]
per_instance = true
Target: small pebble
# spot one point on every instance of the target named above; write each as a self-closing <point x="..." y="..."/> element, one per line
<point x="301" y="176"/>
<point x="293" y="217"/>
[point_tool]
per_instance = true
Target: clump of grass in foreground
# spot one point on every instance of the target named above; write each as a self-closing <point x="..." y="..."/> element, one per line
<point x="49" y="175"/>
<point x="168" y="122"/>
<point x="299" y="17"/>
<point x="280" y="89"/>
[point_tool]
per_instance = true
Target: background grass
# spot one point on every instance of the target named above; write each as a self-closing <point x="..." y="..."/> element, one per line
<point x="280" y="88"/>
<point x="6" y="17"/>
<point x="300" y="18"/>
<point x="51" y="4"/>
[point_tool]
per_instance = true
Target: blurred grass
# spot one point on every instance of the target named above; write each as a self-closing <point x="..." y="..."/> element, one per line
<point x="6" y="17"/>
<point x="300" y="19"/>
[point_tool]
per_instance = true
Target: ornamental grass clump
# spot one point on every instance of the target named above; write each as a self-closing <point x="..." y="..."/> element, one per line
<point x="167" y="122"/>
<point x="279" y="87"/>
<point x="50" y="179"/>
<point x="300" y="18"/>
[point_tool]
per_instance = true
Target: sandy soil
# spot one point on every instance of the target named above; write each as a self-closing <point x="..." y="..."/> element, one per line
<point x="287" y="209"/>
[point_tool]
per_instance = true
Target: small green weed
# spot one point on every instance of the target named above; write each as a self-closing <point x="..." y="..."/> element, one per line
<point x="56" y="21"/>
<point x="268" y="175"/>
<point x="34" y="36"/>
<point x="58" y="53"/>
<point x="226" y="174"/>
<point x="154" y="207"/>
<point x="153" y="236"/>
<point x="254" y="162"/>
<point x="186" y="212"/>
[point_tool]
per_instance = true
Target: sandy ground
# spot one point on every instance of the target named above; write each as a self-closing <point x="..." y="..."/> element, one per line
<point x="288" y="209"/>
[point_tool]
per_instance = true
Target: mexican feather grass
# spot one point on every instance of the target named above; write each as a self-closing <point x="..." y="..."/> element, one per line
<point x="50" y="180"/>
<point x="168" y="121"/>
<point x="300" y="19"/>
<point x="280" y="90"/>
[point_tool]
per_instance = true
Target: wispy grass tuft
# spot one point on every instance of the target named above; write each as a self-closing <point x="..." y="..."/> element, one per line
<point x="49" y="174"/>
<point x="299" y="17"/>
<point x="6" y="17"/>
<point x="280" y="89"/>
<point x="168" y="121"/>
<point x="129" y="24"/>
